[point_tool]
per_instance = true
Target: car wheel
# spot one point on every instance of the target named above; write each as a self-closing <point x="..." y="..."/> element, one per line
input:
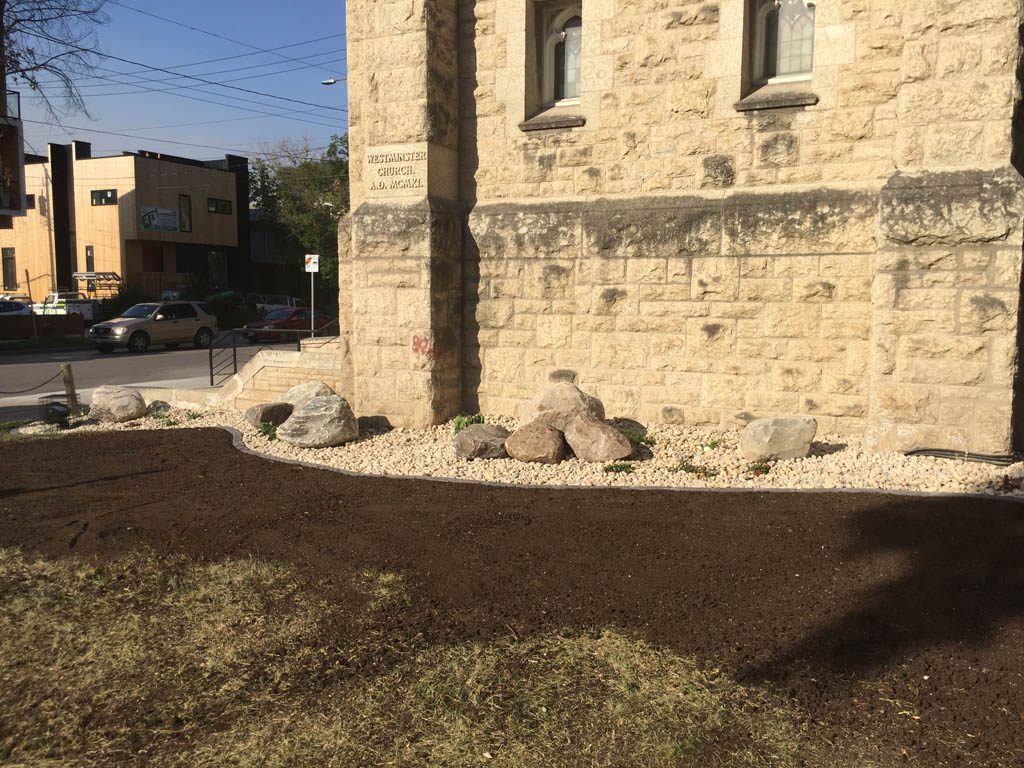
<point x="105" y="348"/>
<point x="139" y="342"/>
<point x="203" y="339"/>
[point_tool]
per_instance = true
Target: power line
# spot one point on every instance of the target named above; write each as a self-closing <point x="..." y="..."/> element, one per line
<point x="220" y="58"/>
<point x="154" y="140"/>
<point x="286" y="116"/>
<point x="220" y="72"/>
<point x="183" y="87"/>
<point x="170" y="72"/>
<point x="204" y="31"/>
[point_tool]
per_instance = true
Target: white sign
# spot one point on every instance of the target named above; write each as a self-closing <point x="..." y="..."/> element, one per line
<point x="159" y="219"/>
<point x="312" y="262"/>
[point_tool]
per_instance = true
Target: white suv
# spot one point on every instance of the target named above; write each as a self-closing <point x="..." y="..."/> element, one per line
<point x="170" y="323"/>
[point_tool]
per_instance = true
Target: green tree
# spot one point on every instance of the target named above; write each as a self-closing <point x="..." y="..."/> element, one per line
<point x="306" y="192"/>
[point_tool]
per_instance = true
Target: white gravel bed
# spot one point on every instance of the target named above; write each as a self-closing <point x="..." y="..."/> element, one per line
<point x="836" y="462"/>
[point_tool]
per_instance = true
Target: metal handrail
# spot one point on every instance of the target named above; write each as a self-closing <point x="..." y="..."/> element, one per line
<point x="220" y="365"/>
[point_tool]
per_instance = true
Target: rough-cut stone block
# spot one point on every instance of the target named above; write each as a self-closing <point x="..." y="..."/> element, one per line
<point x="117" y="404"/>
<point x="536" y="443"/>
<point x="593" y="440"/>
<point x="269" y="413"/>
<point x="952" y="208"/>
<point x="559" y="404"/>
<point x="481" y="441"/>
<point x="301" y="394"/>
<point x="778" y="439"/>
<point x="320" y="423"/>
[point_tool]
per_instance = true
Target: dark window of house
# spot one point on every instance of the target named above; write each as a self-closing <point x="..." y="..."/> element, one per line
<point x="216" y="205"/>
<point x="10" y="270"/>
<point x="90" y="266"/>
<point x="185" y="213"/>
<point x="104" y="196"/>
<point x="30" y="202"/>
<point x="152" y="258"/>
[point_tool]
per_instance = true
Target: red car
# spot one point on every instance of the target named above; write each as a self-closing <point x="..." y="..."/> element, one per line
<point x="282" y="319"/>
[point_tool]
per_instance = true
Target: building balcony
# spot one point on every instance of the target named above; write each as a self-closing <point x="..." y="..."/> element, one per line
<point x="12" y="159"/>
<point x="13" y="105"/>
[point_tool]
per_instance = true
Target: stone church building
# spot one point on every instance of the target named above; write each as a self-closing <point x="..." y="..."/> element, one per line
<point x="702" y="212"/>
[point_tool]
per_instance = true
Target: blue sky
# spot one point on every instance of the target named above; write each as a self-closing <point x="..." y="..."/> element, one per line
<point x="223" y="120"/>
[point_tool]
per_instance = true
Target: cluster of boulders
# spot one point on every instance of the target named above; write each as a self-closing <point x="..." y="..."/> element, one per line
<point x="309" y="415"/>
<point x="563" y="418"/>
<point x="560" y="419"/>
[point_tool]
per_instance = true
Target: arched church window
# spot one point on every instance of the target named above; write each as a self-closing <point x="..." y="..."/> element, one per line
<point x="783" y="40"/>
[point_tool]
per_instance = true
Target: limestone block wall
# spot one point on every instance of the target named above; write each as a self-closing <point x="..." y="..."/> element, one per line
<point x="696" y="311"/>
<point x="686" y="248"/>
<point x="900" y="84"/>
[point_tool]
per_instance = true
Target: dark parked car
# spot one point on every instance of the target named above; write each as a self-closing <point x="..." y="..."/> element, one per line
<point x="282" y="319"/>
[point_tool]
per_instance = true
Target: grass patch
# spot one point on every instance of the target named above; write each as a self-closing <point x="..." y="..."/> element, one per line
<point x="164" y="418"/>
<point x="759" y="468"/>
<point x="169" y="662"/>
<point x="620" y="467"/>
<point x="462" y="421"/>
<point x="269" y="430"/>
<point x="687" y="466"/>
<point x="193" y="415"/>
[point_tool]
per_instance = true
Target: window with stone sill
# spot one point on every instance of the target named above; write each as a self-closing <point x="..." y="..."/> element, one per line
<point x="783" y="41"/>
<point x="554" y="66"/>
<point x="561" y="48"/>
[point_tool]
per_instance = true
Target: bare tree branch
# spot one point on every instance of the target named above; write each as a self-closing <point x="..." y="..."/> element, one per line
<point x="50" y="38"/>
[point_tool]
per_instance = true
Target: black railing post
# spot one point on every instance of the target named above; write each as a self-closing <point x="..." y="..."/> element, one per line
<point x="211" y="362"/>
<point x="234" y="351"/>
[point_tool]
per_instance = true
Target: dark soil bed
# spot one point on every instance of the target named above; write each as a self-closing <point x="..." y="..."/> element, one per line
<point x="892" y="621"/>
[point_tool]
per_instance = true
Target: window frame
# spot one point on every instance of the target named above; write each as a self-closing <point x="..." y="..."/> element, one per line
<point x="219" y="205"/>
<point x="109" y="199"/>
<point x="553" y="33"/>
<point x="9" y="255"/>
<point x="758" y="49"/>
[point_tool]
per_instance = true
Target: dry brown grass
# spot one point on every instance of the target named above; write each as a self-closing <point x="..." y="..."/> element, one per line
<point x="174" y="663"/>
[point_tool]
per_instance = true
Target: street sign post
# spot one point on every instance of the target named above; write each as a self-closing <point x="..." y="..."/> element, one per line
<point x="312" y="266"/>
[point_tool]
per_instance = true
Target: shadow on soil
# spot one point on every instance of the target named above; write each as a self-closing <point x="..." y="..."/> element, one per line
<point x="959" y="576"/>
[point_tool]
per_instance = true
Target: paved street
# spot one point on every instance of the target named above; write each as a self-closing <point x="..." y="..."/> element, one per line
<point x="182" y="368"/>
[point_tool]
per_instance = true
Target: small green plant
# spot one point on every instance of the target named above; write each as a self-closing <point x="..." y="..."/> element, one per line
<point x="619" y="467"/>
<point x="687" y="466"/>
<point x="759" y="468"/>
<point x="463" y="420"/>
<point x="165" y="418"/>
<point x="194" y="415"/>
<point x="712" y="444"/>
<point x="269" y="430"/>
<point x="638" y="437"/>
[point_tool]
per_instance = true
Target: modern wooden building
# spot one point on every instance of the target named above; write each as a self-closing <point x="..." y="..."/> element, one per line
<point x="155" y="220"/>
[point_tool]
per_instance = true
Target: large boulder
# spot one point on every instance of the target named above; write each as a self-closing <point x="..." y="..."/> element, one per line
<point x="320" y="423"/>
<point x="536" y="442"/>
<point x="559" y="404"/>
<point x="113" y="403"/>
<point x="784" y="437"/>
<point x="272" y="413"/>
<point x="481" y="441"/>
<point x="593" y="440"/>
<point x="301" y="394"/>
